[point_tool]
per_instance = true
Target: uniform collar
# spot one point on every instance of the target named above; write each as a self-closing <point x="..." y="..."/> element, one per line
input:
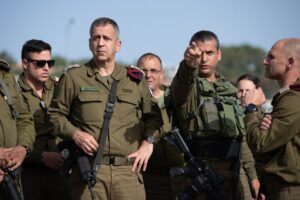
<point x="48" y="85"/>
<point x="92" y="70"/>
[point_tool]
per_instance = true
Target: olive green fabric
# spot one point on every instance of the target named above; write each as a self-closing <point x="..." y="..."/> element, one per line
<point x="80" y="104"/>
<point x="163" y="158"/>
<point x="39" y="181"/>
<point x="113" y="183"/>
<point x="45" y="141"/>
<point x="14" y="131"/>
<point x="24" y="121"/>
<point x="277" y="147"/>
<point x="185" y="99"/>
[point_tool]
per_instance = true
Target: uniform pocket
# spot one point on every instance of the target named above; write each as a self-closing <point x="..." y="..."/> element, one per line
<point x="127" y="107"/>
<point x="90" y="106"/>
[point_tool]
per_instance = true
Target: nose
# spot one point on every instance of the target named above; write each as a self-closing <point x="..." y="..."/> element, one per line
<point x="46" y="67"/>
<point x="265" y="61"/>
<point x="147" y="73"/>
<point x="204" y="57"/>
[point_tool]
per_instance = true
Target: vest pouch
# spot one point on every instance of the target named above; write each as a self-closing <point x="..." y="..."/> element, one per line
<point x="228" y="120"/>
<point x="209" y="115"/>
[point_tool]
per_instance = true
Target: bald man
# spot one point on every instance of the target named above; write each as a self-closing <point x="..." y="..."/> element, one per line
<point x="276" y="138"/>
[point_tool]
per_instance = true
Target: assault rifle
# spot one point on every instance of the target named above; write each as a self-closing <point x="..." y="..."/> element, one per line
<point x="10" y="185"/>
<point x="203" y="178"/>
<point x="73" y="154"/>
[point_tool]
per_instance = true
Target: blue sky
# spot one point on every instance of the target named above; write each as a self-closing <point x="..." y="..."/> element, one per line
<point x="163" y="27"/>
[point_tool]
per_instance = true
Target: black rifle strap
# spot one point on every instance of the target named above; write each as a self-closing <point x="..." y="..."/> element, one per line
<point x="105" y="126"/>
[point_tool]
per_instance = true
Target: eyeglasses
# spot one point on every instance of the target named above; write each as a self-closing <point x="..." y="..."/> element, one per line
<point x="42" y="63"/>
<point x="152" y="71"/>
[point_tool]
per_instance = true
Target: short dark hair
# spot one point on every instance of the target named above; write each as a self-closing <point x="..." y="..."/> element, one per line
<point x="205" y="36"/>
<point x="34" y="46"/>
<point x="148" y="55"/>
<point x="102" y="21"/>
<point x="250" y="77"/>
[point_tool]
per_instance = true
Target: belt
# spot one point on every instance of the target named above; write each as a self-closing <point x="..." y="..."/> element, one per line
<point x="117" y="160"/>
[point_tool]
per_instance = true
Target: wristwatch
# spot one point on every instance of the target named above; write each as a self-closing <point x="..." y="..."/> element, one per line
<point x="28" y="151"/>
<point x="150" y="139"/>
<point x="250" y="108"/>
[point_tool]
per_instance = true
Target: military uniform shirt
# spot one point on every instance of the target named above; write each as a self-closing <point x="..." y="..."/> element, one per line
<point x="38" y="107"/>
<point x="25" y="135"/>
<point x="80" y="104"/>
<point x="184" y="97"/>
<point x="278" y="147"/>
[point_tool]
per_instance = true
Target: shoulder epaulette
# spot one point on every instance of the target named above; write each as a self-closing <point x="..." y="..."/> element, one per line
<point x="135" y="73"/>
<point x="55" y="80"/>
<point x="66" y="69"/>
<point x="4" y="65"/>
<point x="295" y="86"/>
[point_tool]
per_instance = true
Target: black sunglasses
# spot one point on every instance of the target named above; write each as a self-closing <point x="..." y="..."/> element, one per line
<point x="42" y="63"/>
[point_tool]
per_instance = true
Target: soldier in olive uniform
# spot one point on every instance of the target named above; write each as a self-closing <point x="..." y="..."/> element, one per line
<point x="78" y="113"/>
<point x="199" y="119"/>
<point x="41" y="178"/>
<point x="158" y="183"/>
<point x="247" y="84"/>
<point x="275" y="138"/>
<point x="17" y="132"/>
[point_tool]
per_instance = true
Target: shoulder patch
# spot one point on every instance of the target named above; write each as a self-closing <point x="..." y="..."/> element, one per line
<point x="295" y="87"/>
<point x="135" y="73"/>
<point x="66" y="69"/>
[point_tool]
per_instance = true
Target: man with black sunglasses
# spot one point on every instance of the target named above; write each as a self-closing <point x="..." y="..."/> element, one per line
<point x="41" y="178"/>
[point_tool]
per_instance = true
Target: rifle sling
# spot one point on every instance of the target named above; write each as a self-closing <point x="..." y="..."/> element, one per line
<point x="105" y="126"/>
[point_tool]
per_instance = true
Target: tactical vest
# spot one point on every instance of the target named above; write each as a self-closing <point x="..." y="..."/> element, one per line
<point x="219" y="113"/>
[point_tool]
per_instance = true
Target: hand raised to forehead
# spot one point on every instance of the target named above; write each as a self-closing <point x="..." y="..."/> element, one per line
<point x="192" y="55"/>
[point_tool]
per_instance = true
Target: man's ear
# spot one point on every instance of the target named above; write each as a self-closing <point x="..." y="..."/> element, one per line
<point x="219" y="54"/>
<point x="290" y="62"/>
<point x="24" y="63"/>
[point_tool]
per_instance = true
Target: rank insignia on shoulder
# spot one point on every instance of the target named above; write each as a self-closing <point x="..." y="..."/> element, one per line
<point x="4" y="65"/>
<point x="295" y="86"/>
<point x="135" y="73"/>
<point x="55" y="80"/>
<point x="70" y="67"/>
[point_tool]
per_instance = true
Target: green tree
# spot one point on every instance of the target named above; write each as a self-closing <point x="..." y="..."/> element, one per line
<point x="238" y="60"/>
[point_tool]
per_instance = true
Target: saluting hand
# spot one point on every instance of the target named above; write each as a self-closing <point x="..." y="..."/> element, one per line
<point x="86" y="142"/>
<point x="141" y="156"/>
<point x="192" y="55"/>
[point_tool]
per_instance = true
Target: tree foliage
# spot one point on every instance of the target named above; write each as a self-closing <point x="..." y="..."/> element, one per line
<point x="239" y="60"/>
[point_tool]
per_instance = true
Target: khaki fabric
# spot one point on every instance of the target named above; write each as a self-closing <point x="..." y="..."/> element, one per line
<point x="18" y="131"/>
<point x="24" y="121"/>
<point x="277" y="147"/>
<point x="80" y="103"/>
<point x="39" y="181"/>
<point x="184" y="97"/>
<point x="113" y="183"/>
<point x="158" y="183"/>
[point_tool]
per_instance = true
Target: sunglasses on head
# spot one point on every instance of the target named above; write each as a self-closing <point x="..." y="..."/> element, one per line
<point x="42" y="63"/>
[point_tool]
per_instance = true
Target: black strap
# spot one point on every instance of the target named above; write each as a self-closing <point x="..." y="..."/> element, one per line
<point x="107" y="116"/>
